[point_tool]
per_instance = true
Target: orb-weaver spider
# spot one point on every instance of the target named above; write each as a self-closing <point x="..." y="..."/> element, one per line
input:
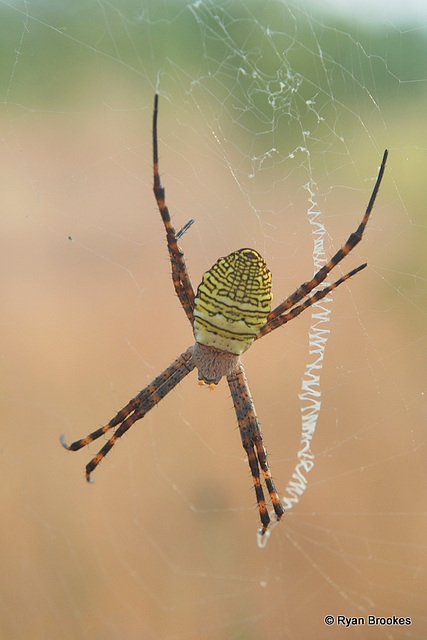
<point x="229" y="311"/>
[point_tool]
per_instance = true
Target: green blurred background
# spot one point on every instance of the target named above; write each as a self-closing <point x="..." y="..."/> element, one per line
<point x="266" y="109"/>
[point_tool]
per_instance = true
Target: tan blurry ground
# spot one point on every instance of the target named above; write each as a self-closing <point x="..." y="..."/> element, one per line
<point x="163" y="544"/>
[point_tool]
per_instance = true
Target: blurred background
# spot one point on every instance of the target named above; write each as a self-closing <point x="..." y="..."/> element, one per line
<point x="273" y="116"/>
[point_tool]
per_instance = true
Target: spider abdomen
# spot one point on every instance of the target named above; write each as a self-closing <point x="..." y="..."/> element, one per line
<point x="233" y="302"/>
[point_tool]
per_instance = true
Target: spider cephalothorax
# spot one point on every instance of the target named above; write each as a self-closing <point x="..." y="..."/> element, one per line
<point x="231" y="309"/>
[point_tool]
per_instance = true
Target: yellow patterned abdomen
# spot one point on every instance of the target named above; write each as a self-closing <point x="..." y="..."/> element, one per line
<point x="233" y="302"/>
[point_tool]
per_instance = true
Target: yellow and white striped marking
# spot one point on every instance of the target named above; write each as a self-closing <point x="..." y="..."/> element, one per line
<point x="233" y="302"/>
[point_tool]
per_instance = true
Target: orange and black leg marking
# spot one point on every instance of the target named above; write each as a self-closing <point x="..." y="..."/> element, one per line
<point x="279" y="320"/>
<point x="321" y="275"/>
<point x="250" y="433"/>
<point x="136" y="408"/>
<point x="180" y="277"/>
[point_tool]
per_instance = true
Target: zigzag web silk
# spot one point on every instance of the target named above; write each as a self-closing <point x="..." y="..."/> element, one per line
<point x="310" y="395"/>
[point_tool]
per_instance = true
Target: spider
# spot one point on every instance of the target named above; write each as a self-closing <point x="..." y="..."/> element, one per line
<point x="230" y="310"/>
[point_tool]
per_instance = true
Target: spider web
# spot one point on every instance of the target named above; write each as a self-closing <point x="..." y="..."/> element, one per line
<point x="273" y="119"/>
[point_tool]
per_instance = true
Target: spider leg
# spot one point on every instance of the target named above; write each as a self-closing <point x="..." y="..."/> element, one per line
<point x="136" y="408"/>
<point x="252" y="441"/>
<point x="320" y="276"/>
<point x="180" y="277"/>
<point x="278" y="321"/>
<point x="184" y="229"/>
